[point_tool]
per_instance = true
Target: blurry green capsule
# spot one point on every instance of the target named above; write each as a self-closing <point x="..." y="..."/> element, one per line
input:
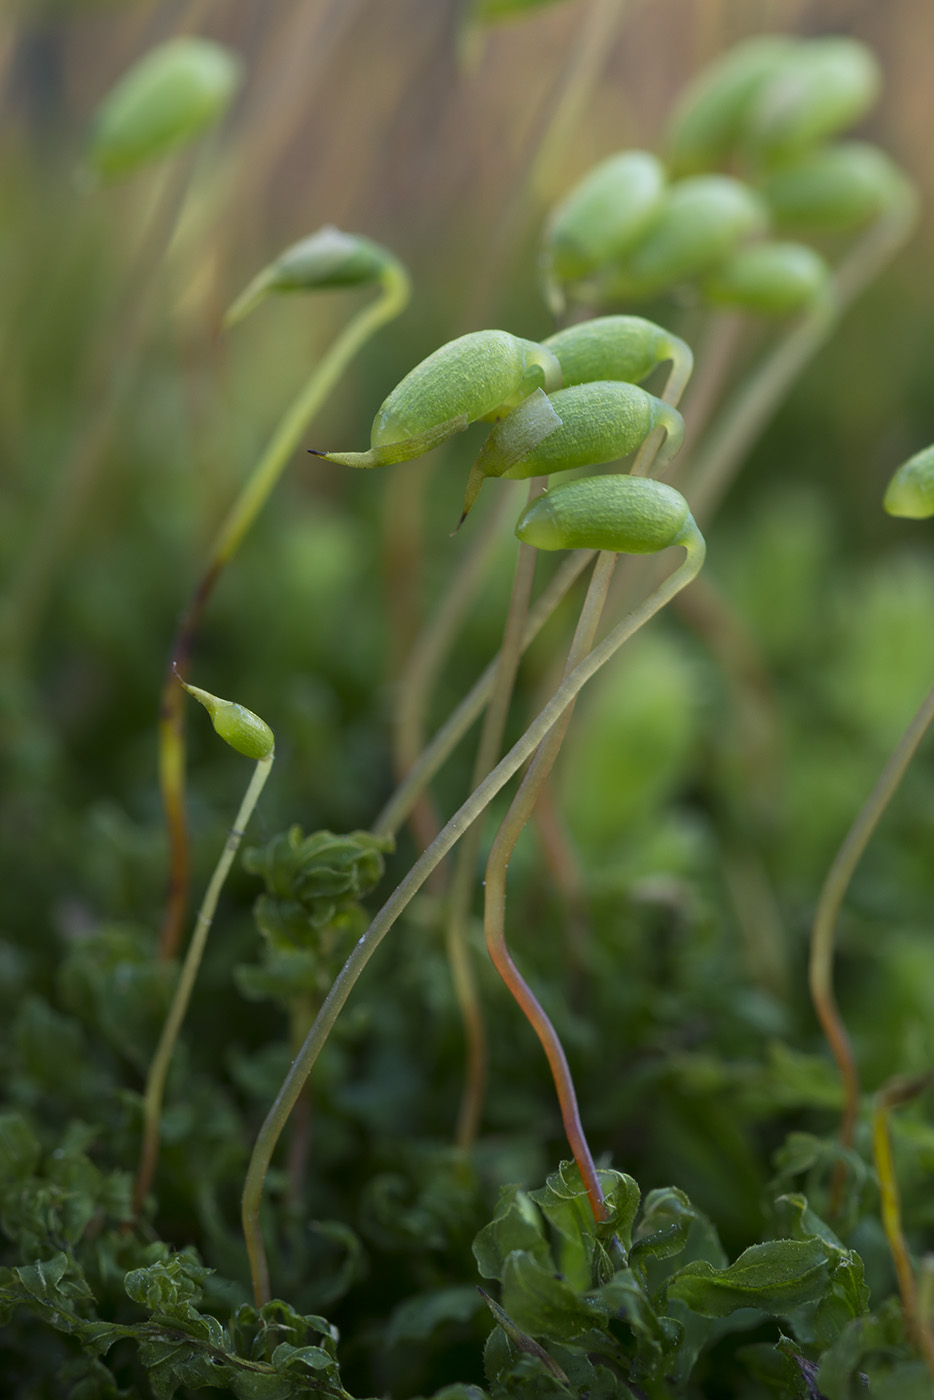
<point x="326" y="259"/>
<point x="491" y="11"/>
<point x="236" y="725"/>
<point x="599" y="422"/>
<point x="699" y="222"/>
<point x="626" y="514"/>
<point x="615" y="347"/>
<point x="602" y="216"/>
<point x="911" y="491"/>
<point x="835" y="189"/>
<point x="769" y="279"/>
<point x="824" y="88"/>
<point x="168" y="98"/>
<point x="708" y="122"/>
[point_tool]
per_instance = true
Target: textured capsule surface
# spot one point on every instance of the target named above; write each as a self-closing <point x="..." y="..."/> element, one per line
<point x="600" y="422"/>
<point x="604" y="214"/>
<point x="169" y="97"/>
<point x="626" y="514"/>
<point x="475" y="376"/>
<point x="770" y="279"/>
<point x="612" y="347"/>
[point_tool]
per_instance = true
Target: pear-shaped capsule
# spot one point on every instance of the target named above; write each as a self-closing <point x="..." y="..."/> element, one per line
<point x="708" y="122"/>
<point x="236" y="725"/>
<point x="625" y="514"/>
<point x="911" y="491"/>
<point x="599" y="422"/>
<point x="834" y="189"/>
<point x="168" y="98"/>
<point x="822" y="90"/>
<point x="326" y="259"/>
<point x="602" y="216"/>
<point x="482" y="375"/>
<point x="617" y="347"/>
<point x="769" y="279"/>
<point x="699" y="222"/>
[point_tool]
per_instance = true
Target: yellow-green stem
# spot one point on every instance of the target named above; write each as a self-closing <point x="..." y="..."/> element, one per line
<point x="159" y="1069"/>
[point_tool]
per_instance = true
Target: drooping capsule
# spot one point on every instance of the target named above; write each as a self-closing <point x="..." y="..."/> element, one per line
<point x="700" y="221"/>
<point x="173" y="94"/>
<point x="769" y="279"/>
<point x="826" y="86"/>
<point x="599" y="422"/>
<point x="325" y="259"/>
<point x="480" y="376"/>
<point x="707" y="124"/>
<point x="626" y="514"/>
<point x="910" y="493"/>
<point x="602" y="217"/>
<point x="834" y="189"/>
<point x="617" y="347"/>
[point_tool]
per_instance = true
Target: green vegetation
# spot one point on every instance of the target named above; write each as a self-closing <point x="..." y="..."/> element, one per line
<point x="566" y="1059"/>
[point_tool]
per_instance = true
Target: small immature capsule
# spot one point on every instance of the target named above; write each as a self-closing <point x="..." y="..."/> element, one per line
<point x="769" y="279"/>
<point x="698" y="223"/>
<point x="603" y="216"/>
<point x="835" y="189"/>
<point x="707" y="124"/>
<point x="482" y="375"/>
<point x="910" y="493"/>
<point x="328" y="258"/>
<point x="824" y="88"/>
<point x="616" y="347"/>
<point x="599" y="422"/>
<point x="236" y="725"/>
<point x="625" y="514"/>
<point x="168" y="98"/>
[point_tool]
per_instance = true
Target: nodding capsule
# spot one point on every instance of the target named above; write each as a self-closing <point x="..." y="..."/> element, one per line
<point x="625" y="514"/>
<point x="620" y="347"/>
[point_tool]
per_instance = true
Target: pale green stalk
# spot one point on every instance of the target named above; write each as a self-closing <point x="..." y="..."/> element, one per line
<point x="366" y="946"/>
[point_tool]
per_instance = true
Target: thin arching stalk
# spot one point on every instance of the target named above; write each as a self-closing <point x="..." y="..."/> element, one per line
<point x="366" y="946"/>
<point x="504" y="843"/>
<point x="159" y="1069"/>
<point x="393" y="297"/>
<point x="828" y="908"/>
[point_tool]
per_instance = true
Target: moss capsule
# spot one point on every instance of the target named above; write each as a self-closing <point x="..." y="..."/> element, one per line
<point x="626" y="514"/>
<point x="236" y="725"/>
<point x="835" y="189"/>
<point x="603" y="216"/>
<point x="326" y="259"/>
<point x="910" y="493"/>
<point x="168" y="98"/>
<point x="616" y="347"/>
<point x="823" y="88"/>
<point x="770" y="279"/>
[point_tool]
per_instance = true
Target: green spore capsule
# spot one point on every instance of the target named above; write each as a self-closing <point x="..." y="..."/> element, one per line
<point x="172" y="95"/>
<point x="910" y="493"/>
<point x="493" y="11"/>
<point x="599" y="422"/>
<point x="236" y="725"/>
<point x="770" y="279"/>
<point x="708" y="122"/>
<point x="617" y="347"/>
<point x="700" y="221"/>
<point x="836" y="189"/>
<point x="823" y="88"/>
<point x="625" y="514"/>
<point x="326" y="259"/>
<point x="603" y="216"/>
<point x="482" y="375"/>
